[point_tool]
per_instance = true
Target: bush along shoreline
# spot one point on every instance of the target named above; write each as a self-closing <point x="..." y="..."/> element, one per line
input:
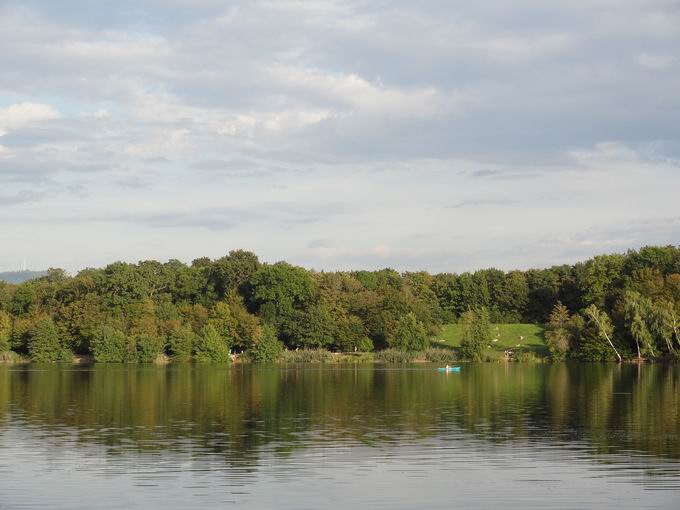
<point x="618" y="307"/>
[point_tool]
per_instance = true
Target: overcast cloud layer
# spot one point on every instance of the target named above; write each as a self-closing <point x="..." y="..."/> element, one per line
<point x="440" y="135"/>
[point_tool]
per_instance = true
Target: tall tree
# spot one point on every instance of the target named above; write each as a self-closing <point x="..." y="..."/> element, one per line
<point x="603" y="326"/>
<point x="559" y="335"/>
<point x="476" y="333"/>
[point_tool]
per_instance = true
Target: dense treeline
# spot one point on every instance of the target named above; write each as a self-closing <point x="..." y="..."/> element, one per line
<point x="611" y="306"/>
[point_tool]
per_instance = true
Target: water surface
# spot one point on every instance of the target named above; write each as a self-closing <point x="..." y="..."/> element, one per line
<point x="512" y="435"/>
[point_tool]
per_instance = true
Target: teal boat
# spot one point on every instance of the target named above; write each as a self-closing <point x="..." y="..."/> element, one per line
<point x="449" y="369"/>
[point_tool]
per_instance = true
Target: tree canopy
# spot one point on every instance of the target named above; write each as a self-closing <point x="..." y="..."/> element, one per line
<point x="625" y="305"/>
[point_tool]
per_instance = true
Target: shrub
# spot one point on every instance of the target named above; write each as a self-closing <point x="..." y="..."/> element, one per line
<point x="527" y="357"/>
<point x="438" y="355"/>
<point x="44" y="343"/>
<point x="307" y="356"/>
<point x="110" y="345"/>
<point x="267" y="348"/>
<point x="394" y="356"/>
<point x="359" y="357"/>
<point x="11" y="357"/>
<point x="181" y="343"/>
<point x="149" y="347"/>
<point x="210" y="347"/>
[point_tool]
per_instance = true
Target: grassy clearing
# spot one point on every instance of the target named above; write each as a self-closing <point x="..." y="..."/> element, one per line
<point x="508" y="337"/>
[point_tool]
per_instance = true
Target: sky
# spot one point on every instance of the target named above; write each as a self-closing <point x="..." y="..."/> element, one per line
<point x="436" y="135"/>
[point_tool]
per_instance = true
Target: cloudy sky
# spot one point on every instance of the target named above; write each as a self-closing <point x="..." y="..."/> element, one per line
<point x="439" y="134"/>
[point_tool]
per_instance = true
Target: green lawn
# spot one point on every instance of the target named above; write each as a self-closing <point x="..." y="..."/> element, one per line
<point x="508" y="337"/>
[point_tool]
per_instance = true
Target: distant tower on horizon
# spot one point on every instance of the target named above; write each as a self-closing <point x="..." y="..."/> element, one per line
<point x="24" y="266"/>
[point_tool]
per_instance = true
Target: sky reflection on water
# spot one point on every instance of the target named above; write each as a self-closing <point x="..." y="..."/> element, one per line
<point x="520" y="436"/>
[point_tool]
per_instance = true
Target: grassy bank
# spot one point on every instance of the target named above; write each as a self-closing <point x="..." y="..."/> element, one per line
<point x="520" y="338"/>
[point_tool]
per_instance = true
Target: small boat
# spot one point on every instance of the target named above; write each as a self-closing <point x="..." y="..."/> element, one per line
<point x="449" y="369"/>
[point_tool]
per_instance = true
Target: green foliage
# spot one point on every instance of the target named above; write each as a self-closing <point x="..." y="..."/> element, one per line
<point x="664" y="324"/>
<point x="210" y="347"/>
<point x="21" y="333"/>
<point x="247" y="326"/>
<point x="410" y="335"/>
<point x="439" y="355"/>
<point x="307" y="356"/>
<point x="181" y="343"/>
<point x="636" y="295"/>
<point x="110" y="345"/>
<point x="5" y="331"/>
<point x="11" y="357"/>
<point x="598" y="277"/>
<point x="526" y="357"/>
<point x="24" y="299"/>
<point x="267" y="348"/>
<point x="280" y="289"/>
<point x="596" y="340"/>
<point x="477" y="333"/>
<point x="149" y="347"/>
<point x="233" y="272"/>
<point x="311" y="328"/>
<point x="351" y="336"/>
<point x="394" y="356"/>
<point x="559" y="334"/>
<point x="44" y="343"/>
<point x="224" y="322"/>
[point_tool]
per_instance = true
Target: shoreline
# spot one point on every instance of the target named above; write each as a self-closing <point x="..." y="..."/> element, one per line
<point x="324" y="357"/>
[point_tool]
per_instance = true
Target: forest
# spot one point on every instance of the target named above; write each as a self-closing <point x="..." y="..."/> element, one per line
<point x="609" y="308"/>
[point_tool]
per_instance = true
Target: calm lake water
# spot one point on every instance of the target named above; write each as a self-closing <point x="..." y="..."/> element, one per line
<point x="516" y="436"/>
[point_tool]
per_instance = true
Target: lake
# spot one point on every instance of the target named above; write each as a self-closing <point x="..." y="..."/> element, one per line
<point x="313" y="436"/>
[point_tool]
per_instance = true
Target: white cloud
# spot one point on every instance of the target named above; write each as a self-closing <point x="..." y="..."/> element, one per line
<point x="449" y="135"/>
<point x="23" y="114"/>
<point x="606" y="154"/>
<point x="350" y="91"/>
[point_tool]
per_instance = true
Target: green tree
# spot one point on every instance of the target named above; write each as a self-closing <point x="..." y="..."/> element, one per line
<point x="599" y="320"/>
<point x="24" y="300"/>
<point x="110" y="345"/>
<point x="559" y="334"/>
<point x="211" y="347"/>
<point x="149" y="347"/>
<point x="233" y="272"/>
<point x="410" y="335"/>
<point x="279" y="290"/>
<point x="352" y="336"/>
<point x="476" y="333"/>
<point x="599" y="276"/>
<point x="5" y="331"/>
<point x="181" y="343"/>
<point x="224" y="322"/>
<point x="247" y="326"/>
<point x="121" y="284"/>
<point x="637" y="310"/>
<point x="664" y="323"/>
<point x="267" y="348"/>
<point x="44" y="343"/>
<point x="312" y="327"/>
